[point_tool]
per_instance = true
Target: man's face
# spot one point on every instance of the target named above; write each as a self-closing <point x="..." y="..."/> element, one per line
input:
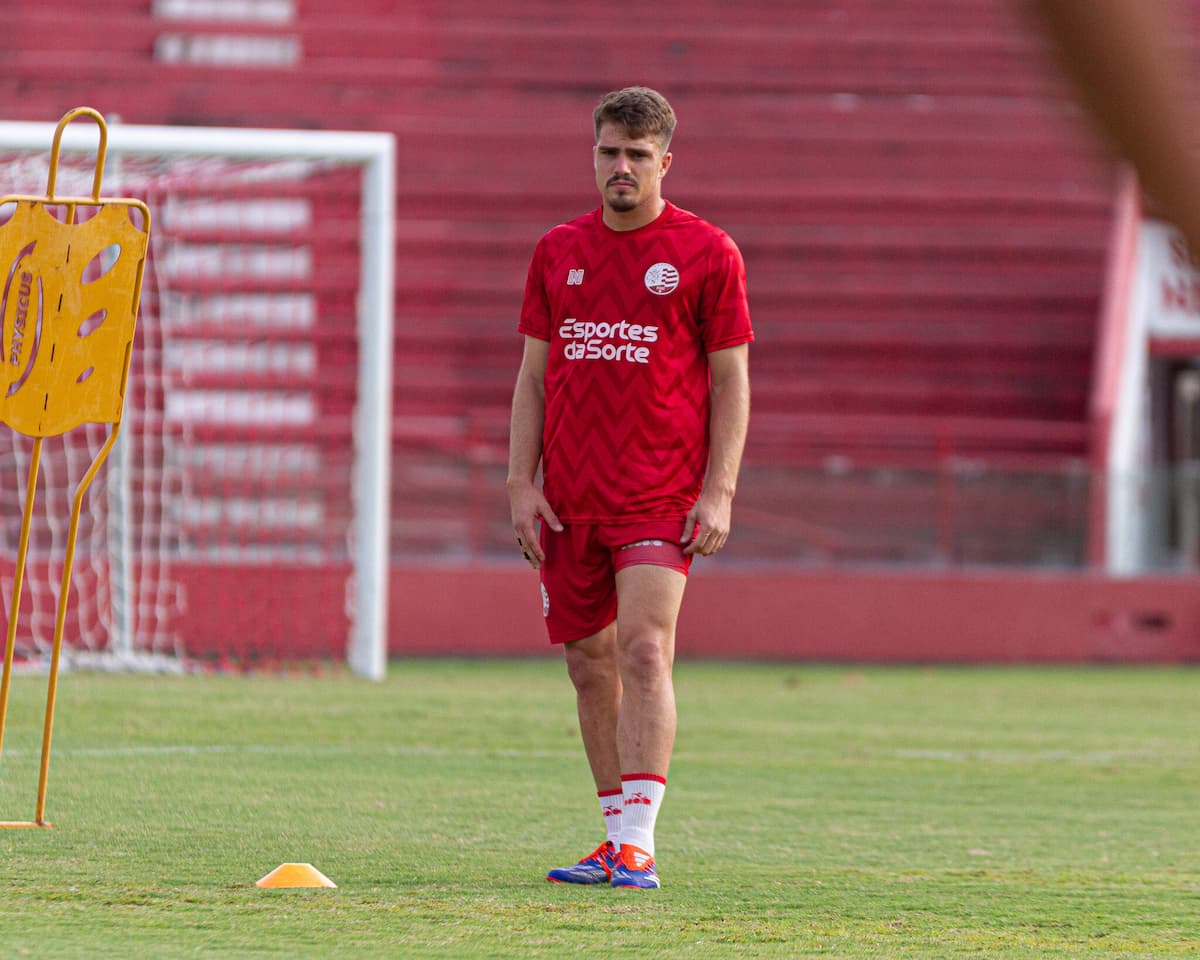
<point x="629" y="171"/>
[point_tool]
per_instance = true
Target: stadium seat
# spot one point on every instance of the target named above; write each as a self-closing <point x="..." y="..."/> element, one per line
<point x="922" y="216"/>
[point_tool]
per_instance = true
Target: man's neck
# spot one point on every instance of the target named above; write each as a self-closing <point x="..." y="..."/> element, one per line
<point x="636" y="218"/>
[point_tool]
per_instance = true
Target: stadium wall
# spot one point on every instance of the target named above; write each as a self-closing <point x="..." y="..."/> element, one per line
<point x="849" y="615"/>
<point x="830" y="615"/>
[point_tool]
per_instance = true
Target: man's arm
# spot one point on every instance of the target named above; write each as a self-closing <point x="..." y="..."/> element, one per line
<point x="525" y="500"/>
<point x="1120" y="55"/>
<point x="710" y="518"/>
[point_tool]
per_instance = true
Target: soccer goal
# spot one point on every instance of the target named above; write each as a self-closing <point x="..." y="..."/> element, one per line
<point x="244" y="515"/>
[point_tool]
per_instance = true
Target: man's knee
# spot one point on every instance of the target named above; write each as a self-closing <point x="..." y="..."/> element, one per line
<point x="647" y="652"/>
<point x="592" y="662"/>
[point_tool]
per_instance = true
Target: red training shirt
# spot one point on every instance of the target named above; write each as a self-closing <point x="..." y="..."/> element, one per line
<point x="630" y="317"/>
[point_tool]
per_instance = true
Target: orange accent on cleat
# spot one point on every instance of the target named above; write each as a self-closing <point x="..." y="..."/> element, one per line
<point x="596" y="867"/>
<point x="634" y="869"/>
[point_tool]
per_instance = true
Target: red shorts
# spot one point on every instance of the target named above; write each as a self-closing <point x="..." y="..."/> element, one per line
<point x="579" y="575"/>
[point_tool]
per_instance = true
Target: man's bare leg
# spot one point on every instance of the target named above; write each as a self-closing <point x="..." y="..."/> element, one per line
<point x="593" y="668"/>
<point x="649" y="598"/>
<point x="594" y="671"/>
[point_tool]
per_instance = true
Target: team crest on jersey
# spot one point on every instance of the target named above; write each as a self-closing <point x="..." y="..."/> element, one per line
<point x="662" y="278"/>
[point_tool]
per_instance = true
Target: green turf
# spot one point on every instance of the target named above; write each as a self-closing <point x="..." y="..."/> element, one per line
<point x="812" y="811"/>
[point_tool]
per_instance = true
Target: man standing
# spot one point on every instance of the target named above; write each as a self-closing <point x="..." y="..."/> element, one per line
<point x="634" y="396"/>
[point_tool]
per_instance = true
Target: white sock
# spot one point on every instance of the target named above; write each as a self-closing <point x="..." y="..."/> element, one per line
<point x="642" y="796"/>
<point x="610" y="809"/>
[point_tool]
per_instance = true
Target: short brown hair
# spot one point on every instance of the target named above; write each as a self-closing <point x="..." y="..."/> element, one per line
<point x="641" y="111"/>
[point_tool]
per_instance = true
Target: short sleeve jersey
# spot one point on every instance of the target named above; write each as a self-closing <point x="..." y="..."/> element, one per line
<point x="630" y="317"/>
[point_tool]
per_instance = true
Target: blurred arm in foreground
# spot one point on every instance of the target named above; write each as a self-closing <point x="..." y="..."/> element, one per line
<point x="1123" y="58"/>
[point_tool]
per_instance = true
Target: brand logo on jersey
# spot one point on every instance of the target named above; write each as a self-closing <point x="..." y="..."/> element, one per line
<point x="607" y="341"/>
<point x="545" y="601"/>
<point x="662" y="278"/>
<point x="575" y="278"/>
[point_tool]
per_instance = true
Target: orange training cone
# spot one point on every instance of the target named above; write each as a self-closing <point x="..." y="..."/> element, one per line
<point x="295" y="875"/>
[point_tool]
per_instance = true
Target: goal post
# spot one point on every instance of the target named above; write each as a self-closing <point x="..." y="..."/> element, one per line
<point x="261" y="403"/>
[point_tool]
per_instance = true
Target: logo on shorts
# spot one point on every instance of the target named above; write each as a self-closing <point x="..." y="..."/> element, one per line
<point x="545" y="601"/>
<point x="661" y="279"/>
<point x="644" y="543"/>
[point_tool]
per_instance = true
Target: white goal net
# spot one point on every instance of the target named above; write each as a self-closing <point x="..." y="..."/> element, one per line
<point x="243" y="516"/>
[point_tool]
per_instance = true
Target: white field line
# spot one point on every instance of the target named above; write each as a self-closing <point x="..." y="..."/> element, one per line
<point x="1004" y="757"/>
<point x="993" y="757"/>
<point x="290" y="749"/>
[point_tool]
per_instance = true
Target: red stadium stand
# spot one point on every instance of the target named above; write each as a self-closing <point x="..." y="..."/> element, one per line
<point x="923" y="214"/>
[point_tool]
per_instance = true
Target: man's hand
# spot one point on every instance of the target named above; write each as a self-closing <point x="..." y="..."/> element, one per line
<point x="707" y="525"/>
<point x="525" y="498"/>
<point x="528" y="505"/>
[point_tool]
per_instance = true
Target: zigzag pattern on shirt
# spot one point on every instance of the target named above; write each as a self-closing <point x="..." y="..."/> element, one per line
<point x="616" y="455"/>
<point x="627" y="382"/>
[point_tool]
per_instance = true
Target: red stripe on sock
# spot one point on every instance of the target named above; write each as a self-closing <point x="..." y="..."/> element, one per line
<point x="608" y="793"/>
<point x="625" y="777"/>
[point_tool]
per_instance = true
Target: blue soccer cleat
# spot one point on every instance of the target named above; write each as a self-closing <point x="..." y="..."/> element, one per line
<point x="634" y="869"/>
<point x="596" y="867"/>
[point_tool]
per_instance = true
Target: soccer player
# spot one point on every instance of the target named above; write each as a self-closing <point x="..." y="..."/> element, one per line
<point x="633" y="395"/>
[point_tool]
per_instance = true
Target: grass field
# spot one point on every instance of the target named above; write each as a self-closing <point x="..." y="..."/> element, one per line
<point x="812" y="811"/>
